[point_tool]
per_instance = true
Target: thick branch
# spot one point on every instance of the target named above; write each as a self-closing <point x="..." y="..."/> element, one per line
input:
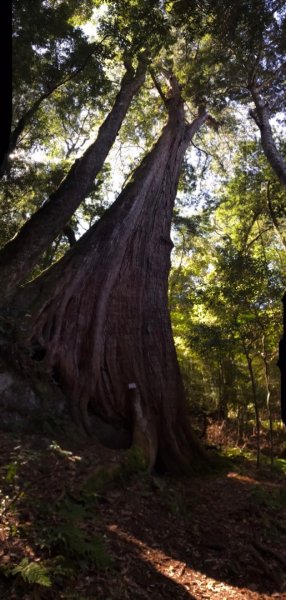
<point x="19" y="256"/>
<point x="196" y="124"/>
<point x="261" y="117"/>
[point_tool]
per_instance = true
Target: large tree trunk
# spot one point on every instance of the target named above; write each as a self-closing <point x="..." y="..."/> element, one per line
<point x="99" y="318"/>
<point x="20" y="255"/>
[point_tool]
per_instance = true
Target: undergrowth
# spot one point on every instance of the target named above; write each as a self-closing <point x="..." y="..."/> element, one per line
<point x="239" y="456"/>
<point x="55" y="539"/>
<point x="56" y="534"/>
<point x="64" y="543"/>
<point x="60" y="533"/>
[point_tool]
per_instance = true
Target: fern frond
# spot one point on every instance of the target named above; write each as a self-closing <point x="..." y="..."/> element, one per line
<point x="33" y="572"/>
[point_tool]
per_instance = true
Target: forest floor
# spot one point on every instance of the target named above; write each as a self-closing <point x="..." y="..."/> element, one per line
<point x="79" y="523"/>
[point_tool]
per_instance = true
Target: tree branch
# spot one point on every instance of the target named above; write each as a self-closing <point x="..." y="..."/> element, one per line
<point x="261" y="117"/>
<point x="158" y="86"/>
<point x="27" y="116"/>
<point x="278" y="71"/>
<point x="273" y="216"/>
<point x="46" y="224"/>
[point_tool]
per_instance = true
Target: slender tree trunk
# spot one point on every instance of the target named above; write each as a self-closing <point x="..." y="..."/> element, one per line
<point x="261" y="117"/>
<point x="268" y="396"/>
<point x="100" y="316"/>
<point x="20" y="255"/>
<point x="226" y="384"/>
<point x="282" y="363"/>
<point x="240" y="424"/>
<point x="255" y="403"/>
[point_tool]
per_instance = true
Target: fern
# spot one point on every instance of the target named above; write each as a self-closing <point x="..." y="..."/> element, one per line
<point x="73" y="543"/>
<point x="71" y="510"/>
<point x="33" y="572"/>
<point x="68" y="537"/>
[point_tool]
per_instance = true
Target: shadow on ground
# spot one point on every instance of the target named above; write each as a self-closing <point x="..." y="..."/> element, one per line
<point x="215" y="536"/>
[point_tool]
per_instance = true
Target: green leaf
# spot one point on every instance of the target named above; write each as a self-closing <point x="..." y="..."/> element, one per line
<point x="33" y="572"/>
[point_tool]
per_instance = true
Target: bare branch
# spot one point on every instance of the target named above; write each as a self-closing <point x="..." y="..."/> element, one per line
<point x="158" y="86"/>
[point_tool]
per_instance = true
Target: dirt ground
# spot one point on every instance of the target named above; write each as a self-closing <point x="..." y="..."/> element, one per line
<point x="215" y="536"/>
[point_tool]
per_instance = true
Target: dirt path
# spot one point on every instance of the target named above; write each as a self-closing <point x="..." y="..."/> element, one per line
<point x="218" y="536"/>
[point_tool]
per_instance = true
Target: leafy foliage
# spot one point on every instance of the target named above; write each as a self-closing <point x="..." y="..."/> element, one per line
<point x="226" y="294"/>
<point x="33" y="572"/>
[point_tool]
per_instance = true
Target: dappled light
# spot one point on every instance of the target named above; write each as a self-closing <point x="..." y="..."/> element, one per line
<point x="221" y="534"/>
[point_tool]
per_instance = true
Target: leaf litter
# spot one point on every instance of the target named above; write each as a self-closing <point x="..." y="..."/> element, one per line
<point x="100" y="531"/>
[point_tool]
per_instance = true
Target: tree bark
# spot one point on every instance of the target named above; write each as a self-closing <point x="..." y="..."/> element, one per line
<point x="100" y="315"/>
<point x="20" y="255"/>
<point x="261" y="117"/>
